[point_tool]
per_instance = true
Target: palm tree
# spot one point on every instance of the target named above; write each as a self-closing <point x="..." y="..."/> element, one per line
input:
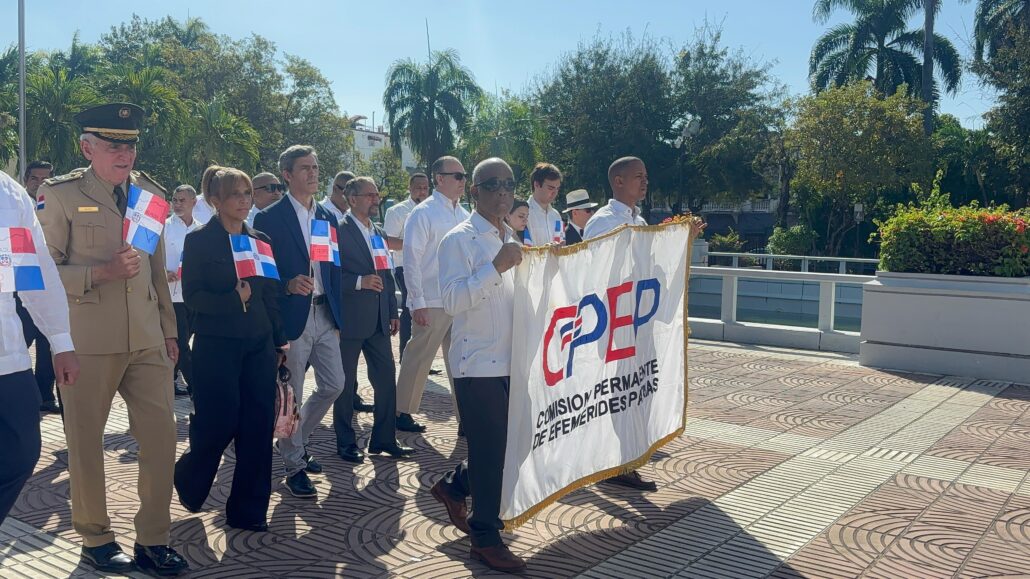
<point x="53" y="100"/>
<point x="219" y="136"/>
<point x="426" y="104"/>
<point x="994" y="19"/>
<point x="502" y="127"/>
<point x="879" y="48"/>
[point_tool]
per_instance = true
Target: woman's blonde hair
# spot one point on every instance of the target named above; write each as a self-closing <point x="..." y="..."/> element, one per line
<point x="225" y="180"/>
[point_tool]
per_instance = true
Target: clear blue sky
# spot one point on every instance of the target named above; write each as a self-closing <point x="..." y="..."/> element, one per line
<point x="506" y="45"/>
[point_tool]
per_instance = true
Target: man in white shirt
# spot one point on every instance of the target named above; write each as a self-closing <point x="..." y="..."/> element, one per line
<point x="477" y="284"/>
<point x="184" y="198"/>
<point x="545" y="224"/>
<point x="267" y="190"/>
<point x="393" y="224"/>
<point x="337" y="203"/>
<point x="426" y="226"/>
<point x="627" y="177"/>
<point x="19" y="397"/>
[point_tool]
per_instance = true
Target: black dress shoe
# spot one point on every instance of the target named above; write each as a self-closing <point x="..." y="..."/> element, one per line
<point x="407" y="424"/>
<point x="395" y="450"/>
<point x="108" y="558"/>
<point x="361" y="406"/>
<point x="435" y="371"/>
<point x="260" y="527"/>
<point x="633" y="480"/>
<point x="312" y="466"/>
<point x="351" y="454"/>
<point x="300" y="485"/>
<point x="189" y="507"/>
<point x="50" y="407"/>
<point x="160" y="559"/>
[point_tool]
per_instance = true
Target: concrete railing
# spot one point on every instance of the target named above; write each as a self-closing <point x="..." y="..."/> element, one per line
<point x="768" y="261"/>
<point x="823" y="336"/>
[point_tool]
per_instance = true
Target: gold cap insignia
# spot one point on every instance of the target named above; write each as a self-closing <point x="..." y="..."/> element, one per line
<point x="124" y="112"/>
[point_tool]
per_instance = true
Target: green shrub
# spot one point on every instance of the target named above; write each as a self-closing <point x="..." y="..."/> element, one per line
<point x="796" y="240"/>
<point x="731" y="242"/>
<point x="960" y="241"/>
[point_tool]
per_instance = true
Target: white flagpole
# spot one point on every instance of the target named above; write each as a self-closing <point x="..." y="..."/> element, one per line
<point x="22" y="161"/>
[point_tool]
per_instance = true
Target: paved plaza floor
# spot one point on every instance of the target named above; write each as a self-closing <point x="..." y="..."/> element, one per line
<point x="793" y="464"/>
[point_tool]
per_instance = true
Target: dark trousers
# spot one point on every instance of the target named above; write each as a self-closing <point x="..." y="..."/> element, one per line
<point x="233" y="401"/>
<point x="483" y="404"/>
<point x="44" y="362"/>
<point x="382" y="374"/>
<point x="19" y="429"/>
<point x="398" y="274"/>
<point x="185" y="331"/>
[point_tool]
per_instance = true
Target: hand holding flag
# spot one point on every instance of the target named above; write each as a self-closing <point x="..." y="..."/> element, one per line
<point x="324" y="244"/>
<point x="380" y="255"/>
<point x="19" y="264"/>
<point x="253" y="257"/>
<point x="145" y="216"/>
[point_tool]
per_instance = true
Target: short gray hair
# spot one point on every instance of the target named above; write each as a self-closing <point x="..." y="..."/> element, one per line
<point x="187" y="188"/>
<point x="484" y="163"/>
<point x="354" y="185"/>
<point x="292" y="153"/>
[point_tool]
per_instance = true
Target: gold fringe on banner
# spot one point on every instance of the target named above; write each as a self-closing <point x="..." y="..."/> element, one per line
<point x="696" y="226"/>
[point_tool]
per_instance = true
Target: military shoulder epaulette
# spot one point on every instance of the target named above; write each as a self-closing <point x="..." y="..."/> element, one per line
<point x="76" y="174"/>
<point x="162" y="190"/>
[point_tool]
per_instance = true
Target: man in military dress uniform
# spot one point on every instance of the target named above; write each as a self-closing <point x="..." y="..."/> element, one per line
<point x="123" y="324"/>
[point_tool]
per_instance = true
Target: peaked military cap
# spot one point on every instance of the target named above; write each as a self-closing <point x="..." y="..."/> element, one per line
<point x="114" y="122"/>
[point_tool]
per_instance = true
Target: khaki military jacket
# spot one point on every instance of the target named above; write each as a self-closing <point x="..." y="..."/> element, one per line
<point x="83" y="228"/>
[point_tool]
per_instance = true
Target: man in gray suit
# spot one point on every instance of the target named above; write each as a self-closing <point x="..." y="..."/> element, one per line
<point x="369" y="315"/>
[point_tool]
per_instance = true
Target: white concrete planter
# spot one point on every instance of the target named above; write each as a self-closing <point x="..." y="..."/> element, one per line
<point x="948" y="324"/>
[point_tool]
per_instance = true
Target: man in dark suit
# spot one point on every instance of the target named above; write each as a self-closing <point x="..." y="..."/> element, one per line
<point x="369" y="319"/>
<point x="310" y="308"/>
<point x="580" y="208"/>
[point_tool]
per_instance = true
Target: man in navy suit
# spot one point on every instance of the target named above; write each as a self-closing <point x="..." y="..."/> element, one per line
<point x="310" y="307"/>
<point x="369" y="319"/>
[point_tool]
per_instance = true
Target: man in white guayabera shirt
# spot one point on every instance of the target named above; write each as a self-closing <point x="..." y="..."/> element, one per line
<point x="545" y="224"/>
<point x="181" y="222"/>
<point x="627" y="177"/>
<point x="426" y="226"/>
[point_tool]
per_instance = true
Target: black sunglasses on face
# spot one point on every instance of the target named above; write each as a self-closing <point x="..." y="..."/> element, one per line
<point x="458" y="175"/>
<point x="272" y="187"/>
<point x="493" y="184"/>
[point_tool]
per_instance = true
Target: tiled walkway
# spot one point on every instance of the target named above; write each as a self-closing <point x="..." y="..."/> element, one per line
<point x="793" y="464"/>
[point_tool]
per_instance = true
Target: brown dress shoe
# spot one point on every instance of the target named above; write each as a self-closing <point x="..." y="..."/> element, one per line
<point x="498" y="558"/>
<point x="633" y="480"/>
<point x="457" y="511"/>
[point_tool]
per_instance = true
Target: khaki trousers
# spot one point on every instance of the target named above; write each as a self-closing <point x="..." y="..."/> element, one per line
<point x="144" y="379"/>
<point x="418" y="359"/>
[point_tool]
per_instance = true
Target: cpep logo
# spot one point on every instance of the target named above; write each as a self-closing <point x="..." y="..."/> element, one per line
<point x="571" y="334"/>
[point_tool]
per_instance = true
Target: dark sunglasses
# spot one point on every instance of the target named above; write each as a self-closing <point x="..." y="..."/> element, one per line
<point x="457" y="175"/>
<point x="272" y="187"/>
<point x="493" y="184"/>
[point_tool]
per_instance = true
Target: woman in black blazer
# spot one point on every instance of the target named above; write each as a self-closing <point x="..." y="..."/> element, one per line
<point x="238" y="344"/>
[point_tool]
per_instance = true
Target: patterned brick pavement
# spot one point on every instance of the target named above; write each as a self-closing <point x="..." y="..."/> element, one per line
<point x="793" y="465"/>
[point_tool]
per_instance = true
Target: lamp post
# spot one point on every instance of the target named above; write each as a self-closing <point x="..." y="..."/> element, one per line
<point x="859" y="216"/>
<point x="690" y="130"/>
<point x="22" y="161"/>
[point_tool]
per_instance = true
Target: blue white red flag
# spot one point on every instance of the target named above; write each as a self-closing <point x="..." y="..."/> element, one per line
<point x="557" y="237"/>
<point x="19" y="264"/>
<point x="381" y="255"/>
<point x="253" y="257"/>
<point x="145" y="215"/>
<point x="527" y="240"/>
<point x="324" y="244"/>
<point x="40" y="202"/>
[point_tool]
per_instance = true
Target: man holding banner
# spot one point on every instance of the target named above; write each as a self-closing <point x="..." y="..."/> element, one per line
<point x="103" y="228"/>
<point x="477" y="288"/>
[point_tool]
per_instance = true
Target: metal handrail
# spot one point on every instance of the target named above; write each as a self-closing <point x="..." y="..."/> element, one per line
<point x="769" y="258"/>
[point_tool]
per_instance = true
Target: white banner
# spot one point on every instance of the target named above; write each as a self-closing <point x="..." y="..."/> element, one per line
<point x="598" y="362"/>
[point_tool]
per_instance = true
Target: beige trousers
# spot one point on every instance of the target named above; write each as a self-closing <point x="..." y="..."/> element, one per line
<point x="418" y="359"/>
<point x="144" y="379"/>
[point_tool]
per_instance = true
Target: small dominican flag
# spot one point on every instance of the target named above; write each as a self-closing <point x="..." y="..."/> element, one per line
<point x="527" y="240"/>
<point x="178" y="272"/>
<point x="557" y="232"/>
<point x="324" y="245"/>
<point x="253" y="257"/>
<point x="40" y="202"/>
<point x="19" y="264"/>
<point x="380" y="255"/>
<point x="145" y="216"/>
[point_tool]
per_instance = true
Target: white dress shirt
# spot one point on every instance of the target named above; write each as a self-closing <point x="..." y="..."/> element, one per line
<point x="424" y="230"/>
<point x="250" y="216"/>
<point x="331" y="207"/>
<point x="612" y="215"/>
<point x="542" y="224"/>
<point x="174" y="240"/>
<point x="393" y="224"/>
<point x="304" y="217"/>
<point x="202" y="212"/>
<point x="481" y="301"/>
<point x="49" y="306"/>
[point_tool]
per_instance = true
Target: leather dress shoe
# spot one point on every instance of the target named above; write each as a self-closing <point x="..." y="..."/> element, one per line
<point x="50" y="407"/>
<point x="498" y="558"/>
<point x="160" y="559"/>
<point x="189" y="507"/>
<point x="259" y="527"/>
<point x="435" y="371"/>
<point x="300" y="485"/>
<point x="633" y="480"/>
<point x="311" y="465"/>
<point x="108" y="558"/>
<point x="351" y="454"/>
<point x="407" y="424"/>
<point x="361" y="406"/>
<point x="395" y="450"/>
<point x="457" y="510"/>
